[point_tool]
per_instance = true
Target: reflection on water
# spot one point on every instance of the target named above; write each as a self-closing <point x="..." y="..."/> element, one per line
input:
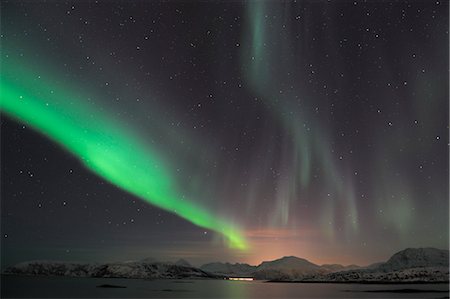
<point x="64" y="287"/>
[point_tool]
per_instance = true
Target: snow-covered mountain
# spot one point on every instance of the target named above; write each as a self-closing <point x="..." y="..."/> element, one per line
<point x="288" y="262"/>
<point x="416" y="258"/>
<point x="288" y="267"/>
<point x="338" y="267"/>
<point x="423" y="274"/>
<point x="409" y="265"/>
<point x="183" y="262"/>
<point x="179" y="262"/>
<point x="229" y="269"/>
<point x="152" y="270"/>
<point x="419" y="264"/>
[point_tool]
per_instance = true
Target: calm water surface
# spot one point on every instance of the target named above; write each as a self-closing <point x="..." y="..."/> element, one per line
<point x="64" y="287"/>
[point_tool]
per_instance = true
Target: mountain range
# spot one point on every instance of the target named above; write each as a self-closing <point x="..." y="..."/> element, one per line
<point x="144" y="269"/>
<point x="409" y="265"/>
<point x="283" y="268"/>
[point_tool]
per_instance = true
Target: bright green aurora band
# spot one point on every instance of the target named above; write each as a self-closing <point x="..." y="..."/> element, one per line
<point x="103" y="145"/>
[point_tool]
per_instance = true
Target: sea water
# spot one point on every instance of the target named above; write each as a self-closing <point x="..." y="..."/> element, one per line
<point x="67" y="287"/>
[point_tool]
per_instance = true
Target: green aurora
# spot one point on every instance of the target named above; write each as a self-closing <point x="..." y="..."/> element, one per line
<point x="104" y="145"/>
<point x="267" y="75"/>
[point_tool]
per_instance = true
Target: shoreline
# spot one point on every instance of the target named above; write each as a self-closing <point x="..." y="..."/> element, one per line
<point x="255" y="280"/>
<point x="359" y="282"/>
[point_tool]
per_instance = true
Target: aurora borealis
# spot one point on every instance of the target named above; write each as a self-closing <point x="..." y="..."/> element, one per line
<point x="232" y="131"/>
<point x="101" y="145"/>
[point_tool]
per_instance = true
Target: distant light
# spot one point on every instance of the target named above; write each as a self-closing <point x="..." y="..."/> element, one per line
<point x="241" y="278"/>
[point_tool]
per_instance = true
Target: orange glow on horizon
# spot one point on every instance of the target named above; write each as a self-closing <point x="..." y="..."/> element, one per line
<point x="274" y="243"/>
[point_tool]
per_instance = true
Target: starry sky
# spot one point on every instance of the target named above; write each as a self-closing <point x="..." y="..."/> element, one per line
<point x="236" y="131"/>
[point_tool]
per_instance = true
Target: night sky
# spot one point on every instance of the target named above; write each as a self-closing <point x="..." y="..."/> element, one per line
<point x="223" y="131"/>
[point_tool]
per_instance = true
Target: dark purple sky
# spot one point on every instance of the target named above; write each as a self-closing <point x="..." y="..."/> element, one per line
<point x="319" y="129"/>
